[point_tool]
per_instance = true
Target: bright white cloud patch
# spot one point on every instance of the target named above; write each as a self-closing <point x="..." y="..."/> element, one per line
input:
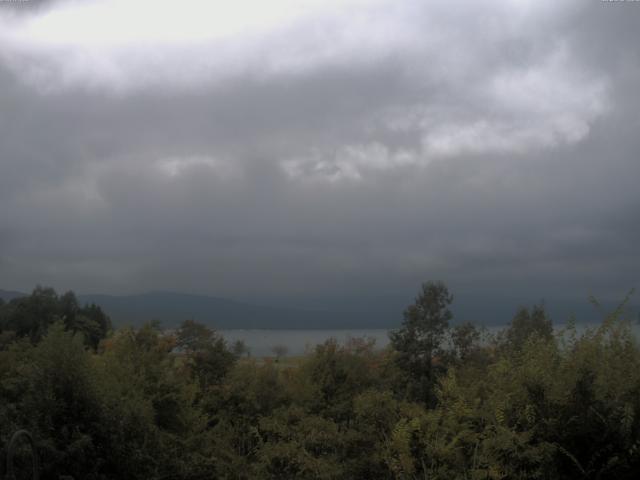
<point x="483" y="81"/>
<point x="350" y="162"/>
<point x="124" y="45"/>
<point x="512" y="111"/>
<point x="174" y="167"/>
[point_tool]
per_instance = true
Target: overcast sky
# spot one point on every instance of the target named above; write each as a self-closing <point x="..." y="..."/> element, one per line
<point x="320" y="150"/>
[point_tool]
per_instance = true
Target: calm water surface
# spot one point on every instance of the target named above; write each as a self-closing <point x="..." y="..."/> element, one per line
<point x="298" y="342"/>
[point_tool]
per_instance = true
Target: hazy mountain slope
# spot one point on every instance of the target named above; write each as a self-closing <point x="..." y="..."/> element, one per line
<point x="172" y="308"/>
<point x="7" y="295"/>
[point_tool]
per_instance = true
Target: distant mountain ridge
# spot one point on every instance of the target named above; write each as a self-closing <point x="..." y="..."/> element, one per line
<point x="7" y="295"/>
<point x="171" y="308"/>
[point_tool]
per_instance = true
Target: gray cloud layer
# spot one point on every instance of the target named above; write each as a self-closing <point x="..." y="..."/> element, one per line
<point x="353" y="151"/>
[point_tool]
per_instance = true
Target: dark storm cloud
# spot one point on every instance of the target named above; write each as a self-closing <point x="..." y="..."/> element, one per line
<point x="493" y="145"/>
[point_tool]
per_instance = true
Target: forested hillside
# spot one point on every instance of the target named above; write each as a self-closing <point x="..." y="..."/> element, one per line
<point x="441" y="402"/>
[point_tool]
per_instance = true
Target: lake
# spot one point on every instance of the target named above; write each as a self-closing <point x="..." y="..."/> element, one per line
<point x="298" y="342"/>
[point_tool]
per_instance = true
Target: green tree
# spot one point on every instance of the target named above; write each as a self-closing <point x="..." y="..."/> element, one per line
<point x="298" y="445"/>
<point x="526" y="323"/>
<point x="151" y="417"/>
<point x="208" y="356"/>
<point x="250" y="391"/>
<point x="193" y="336"/>
<point x="328" y="380"/>
<point x="31" y="316"/>
<point x="90" y="321"/>
<point x="53" y="393"/>
<point x="419" y="341"/>
<point x="93" y="323"/>
<point x="465" y="340"/>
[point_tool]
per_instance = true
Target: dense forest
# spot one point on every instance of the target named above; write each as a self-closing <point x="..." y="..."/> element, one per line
<point x="443" y="401"/>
